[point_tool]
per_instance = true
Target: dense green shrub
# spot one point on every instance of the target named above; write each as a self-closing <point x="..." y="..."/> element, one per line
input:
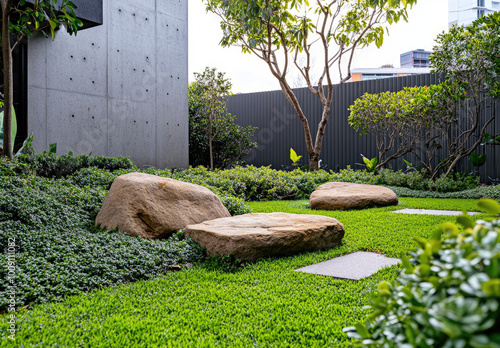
<point x="449" y="295"/>
<point x="60" y="253"/>
<point x="49" y="165"/>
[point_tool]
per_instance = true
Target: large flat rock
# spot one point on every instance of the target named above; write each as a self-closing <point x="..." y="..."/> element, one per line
<point x="345" y="196"/>
<point x="252" y="236"/>
<point x="154" y="207"/>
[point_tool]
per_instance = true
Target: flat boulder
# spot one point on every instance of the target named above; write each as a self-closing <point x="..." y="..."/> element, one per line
<point x="345" y="196"/>
<point x="252" y="236"/>
<point x="154" y="207"/>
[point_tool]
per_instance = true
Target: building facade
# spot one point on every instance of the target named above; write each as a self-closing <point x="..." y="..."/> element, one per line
<point x="365" y="74"/>
<point x="117" y="89"/>
<point x="464" y="12"/>
<point x="415" y="59"/>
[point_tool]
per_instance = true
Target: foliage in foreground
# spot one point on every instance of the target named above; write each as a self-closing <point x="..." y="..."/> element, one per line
<point x="449" y="295"/>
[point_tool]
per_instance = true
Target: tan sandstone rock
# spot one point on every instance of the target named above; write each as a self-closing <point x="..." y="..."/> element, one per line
<point x="344" y="196"/>
<point x="251" y="236"/>
<point x="154" y="207"/>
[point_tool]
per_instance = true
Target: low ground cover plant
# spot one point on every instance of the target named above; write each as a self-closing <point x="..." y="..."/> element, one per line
<point x="449" y="295"/>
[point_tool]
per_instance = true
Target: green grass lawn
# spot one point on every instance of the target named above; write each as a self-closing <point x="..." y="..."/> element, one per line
<point x="266" y="304"/>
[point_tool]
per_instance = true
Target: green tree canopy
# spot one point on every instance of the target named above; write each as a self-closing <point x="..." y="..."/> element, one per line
<point x="284" y="33"/>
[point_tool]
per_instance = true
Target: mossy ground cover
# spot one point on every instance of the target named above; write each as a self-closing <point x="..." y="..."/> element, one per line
<point x="264" y="304"/>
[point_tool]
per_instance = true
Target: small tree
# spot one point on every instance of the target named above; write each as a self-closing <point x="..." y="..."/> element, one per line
<point x="280" y="32"/>
<point x="416" y="120"/>
<point x="214" y="138"/>
<point x="470" y="57"/>
<point x="19" y="20"/>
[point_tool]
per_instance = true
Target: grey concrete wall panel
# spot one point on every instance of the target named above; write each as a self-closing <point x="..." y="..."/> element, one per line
<point x="132" y="130"/>
<point x="130" y="75"/>
<point x="38" y="125"/>
<point x="76" y="63"/>
<point x="76" y="127"/>
<point x="279" y="127"/>
<point x="37" y="62"/>
<point x="172" y="108"/>
<point x="131" y="59"/>
<point x="173" y="8"/>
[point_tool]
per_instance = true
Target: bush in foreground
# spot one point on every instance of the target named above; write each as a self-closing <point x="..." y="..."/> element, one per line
<point x="449" y="295"/>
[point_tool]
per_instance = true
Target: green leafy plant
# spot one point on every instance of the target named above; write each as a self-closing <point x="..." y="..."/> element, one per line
<point x="371" y="165"/>
<point x="449" y="294"/>
<point x="13" y="128"/>
<point x="27" y="147"/>
<point x="489" y="139"/>
<point x="294" y="157"/>
<point x="477" y="160"/>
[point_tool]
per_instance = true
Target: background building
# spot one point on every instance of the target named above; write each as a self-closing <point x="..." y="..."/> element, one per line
<point x="119" y="88"/>
<point x="415" y="59"/>
<point x="364" y="74"/>
<point x="464" y="12"/>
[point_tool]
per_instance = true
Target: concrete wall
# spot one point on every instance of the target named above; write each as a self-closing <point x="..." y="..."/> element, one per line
<point x="119" y="89"/>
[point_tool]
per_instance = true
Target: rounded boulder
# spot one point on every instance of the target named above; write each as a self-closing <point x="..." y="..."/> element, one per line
<point x="154" y="207"/>
<point x="345" y="196"/>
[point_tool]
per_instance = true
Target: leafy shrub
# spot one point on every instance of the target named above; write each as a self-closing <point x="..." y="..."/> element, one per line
<point x="49" y="165"/>
<point x="449" y="295"/>
<point x="60" y="253"/>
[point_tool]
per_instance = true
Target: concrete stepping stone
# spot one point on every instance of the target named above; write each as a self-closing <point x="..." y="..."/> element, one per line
<point x="353" y="266"/>
<point x="431" y="212"/>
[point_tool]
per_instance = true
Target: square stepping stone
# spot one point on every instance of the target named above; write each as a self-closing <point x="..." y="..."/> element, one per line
<point x="353" y="266"/>
<point x="431" y="212"/>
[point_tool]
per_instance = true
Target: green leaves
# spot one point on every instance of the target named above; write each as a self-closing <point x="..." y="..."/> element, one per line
<point x="449" y="293"/>
<point x="293" y="157"/>
<point x="371" y="165"/>
<point x="489" y="205"/>
<point x="14" y="127"/>
<point x="477" y="160"/>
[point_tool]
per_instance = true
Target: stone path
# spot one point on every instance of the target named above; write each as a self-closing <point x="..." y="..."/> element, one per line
<point x="431" y="212"/>
<point x="353" y="266"/>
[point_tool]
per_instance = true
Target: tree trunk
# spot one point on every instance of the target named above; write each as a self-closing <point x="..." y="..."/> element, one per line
<point x="313" y="164"/>
<point x="7" y="83"/>
<point x="210" y="139"/>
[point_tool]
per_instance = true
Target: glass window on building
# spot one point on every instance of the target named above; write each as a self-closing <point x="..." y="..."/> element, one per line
<point x="480" y="3"/>
<point x="495" y="5"/>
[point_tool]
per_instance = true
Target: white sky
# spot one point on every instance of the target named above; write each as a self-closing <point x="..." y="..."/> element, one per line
<point x="248" y="73"/>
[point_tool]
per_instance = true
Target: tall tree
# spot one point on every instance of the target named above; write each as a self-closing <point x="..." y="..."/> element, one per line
<point x="19" y="20"/>
<point x="280" y="32"/>
<point x="470" y="57"/>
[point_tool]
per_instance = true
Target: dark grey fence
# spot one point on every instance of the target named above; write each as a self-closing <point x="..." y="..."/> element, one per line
<point x="279" y="128"/>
